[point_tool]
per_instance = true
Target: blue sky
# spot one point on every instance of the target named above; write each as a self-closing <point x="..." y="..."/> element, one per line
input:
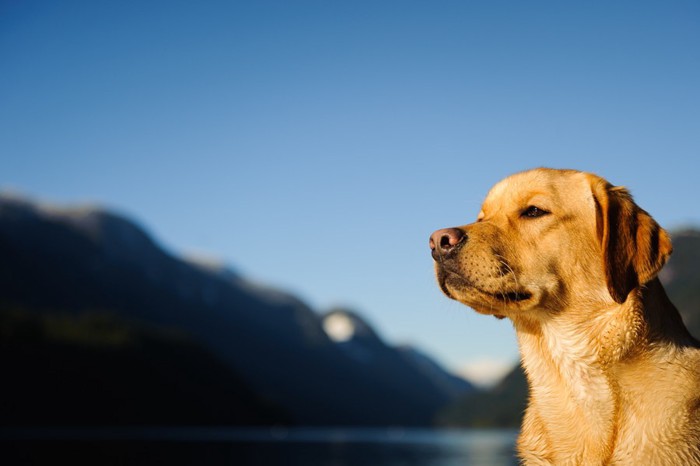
<point x="315" y="145"/>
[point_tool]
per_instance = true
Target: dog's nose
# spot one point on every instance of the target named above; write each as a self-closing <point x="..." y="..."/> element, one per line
<point x="442" y="242"/>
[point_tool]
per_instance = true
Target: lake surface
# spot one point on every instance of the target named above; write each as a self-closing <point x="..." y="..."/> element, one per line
<point x="259" y="447"/>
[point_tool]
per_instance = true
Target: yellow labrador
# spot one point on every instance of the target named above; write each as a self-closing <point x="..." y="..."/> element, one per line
<point x="614" y="375"/>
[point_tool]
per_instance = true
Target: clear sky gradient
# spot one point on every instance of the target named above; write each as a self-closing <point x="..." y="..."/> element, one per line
<point x="315" y="145"/>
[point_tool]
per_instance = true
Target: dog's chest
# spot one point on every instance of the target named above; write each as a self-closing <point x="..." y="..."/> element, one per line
<point x="570" y="392"/>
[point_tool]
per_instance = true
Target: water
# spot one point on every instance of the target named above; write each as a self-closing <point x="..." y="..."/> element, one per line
<point x="258" y="447"/>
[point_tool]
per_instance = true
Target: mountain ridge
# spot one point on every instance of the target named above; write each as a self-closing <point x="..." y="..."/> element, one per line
<point x="59" y="260"/>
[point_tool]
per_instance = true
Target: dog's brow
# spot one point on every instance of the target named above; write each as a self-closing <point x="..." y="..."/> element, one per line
<point x="535" y="195"/>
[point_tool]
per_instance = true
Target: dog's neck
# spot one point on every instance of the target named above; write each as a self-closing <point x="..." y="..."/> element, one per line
<point x="575" y="349"/>
<point x="607" y="333"/>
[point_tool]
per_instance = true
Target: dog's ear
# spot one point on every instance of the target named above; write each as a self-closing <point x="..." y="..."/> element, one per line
<point x="634" y="246"/>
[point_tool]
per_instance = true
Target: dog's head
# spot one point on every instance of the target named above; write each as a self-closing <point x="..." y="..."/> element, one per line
<point x="546" y="240"/>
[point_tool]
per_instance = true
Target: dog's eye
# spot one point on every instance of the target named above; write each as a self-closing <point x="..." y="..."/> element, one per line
<point x="533" y="212"/>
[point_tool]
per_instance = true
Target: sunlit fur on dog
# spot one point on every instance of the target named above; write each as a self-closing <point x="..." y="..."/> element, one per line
<point x="572" y="261"/>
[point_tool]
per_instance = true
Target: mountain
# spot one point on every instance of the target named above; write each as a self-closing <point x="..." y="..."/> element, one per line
<point x="681" y="277"/>
<point x="500" y="406"/>
<point x="69" y="265"/>
<point x="504" y="405"/>
<point x="401" y="366"/>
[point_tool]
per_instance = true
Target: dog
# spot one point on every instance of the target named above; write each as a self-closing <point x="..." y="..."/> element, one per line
<point x="572" y="261"/>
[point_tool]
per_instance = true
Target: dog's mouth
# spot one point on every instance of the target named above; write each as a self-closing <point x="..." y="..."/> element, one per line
<point x="512" y="296"/>
<point x="450" y="281"/>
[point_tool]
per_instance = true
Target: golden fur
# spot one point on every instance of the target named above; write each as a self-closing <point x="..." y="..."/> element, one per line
<point x="614" y="375"/>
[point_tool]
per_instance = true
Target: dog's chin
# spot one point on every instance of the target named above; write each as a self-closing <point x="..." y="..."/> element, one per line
<point x="501" y="304"/>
